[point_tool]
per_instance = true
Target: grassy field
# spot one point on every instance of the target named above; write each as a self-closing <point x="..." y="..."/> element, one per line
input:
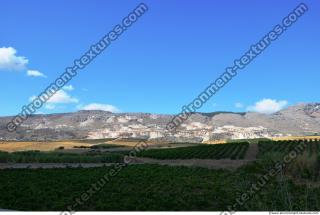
<point x="218" y="151"/>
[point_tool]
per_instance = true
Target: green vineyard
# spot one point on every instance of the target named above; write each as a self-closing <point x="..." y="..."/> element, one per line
<point x="286" y="146"/>
<point x="56" y="157"/>
<point x="223" y="151"/>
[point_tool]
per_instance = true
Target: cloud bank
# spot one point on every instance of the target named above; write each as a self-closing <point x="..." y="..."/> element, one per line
<point x="268" y="106"/>
<point x="10" y="61"/>
<point x="105" y="107"/>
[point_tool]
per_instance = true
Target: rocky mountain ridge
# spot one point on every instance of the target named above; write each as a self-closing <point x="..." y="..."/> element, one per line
<point x="301" y="119"/>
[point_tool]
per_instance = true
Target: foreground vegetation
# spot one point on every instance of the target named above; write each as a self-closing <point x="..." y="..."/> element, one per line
<point x="143" y="187"/>
<point x="305" y="167"/>
<point x="153" y="187"/>
<point x="285" y="146"/>
<point x="219" y="151"/>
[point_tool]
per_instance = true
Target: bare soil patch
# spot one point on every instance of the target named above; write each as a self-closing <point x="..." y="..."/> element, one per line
<point x="206" y="163"/>
<point x="252" y="152"/>
<point x="51" y="165"/>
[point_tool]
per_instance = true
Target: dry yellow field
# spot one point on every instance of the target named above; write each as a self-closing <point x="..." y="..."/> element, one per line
<point x="41" y="146"/>
<point x="215" y="142"/>
<point x="296" y="138"/>
<point x="13" y="146"/>
<point x="132" y="143"/>
<point x="274" y="139"/>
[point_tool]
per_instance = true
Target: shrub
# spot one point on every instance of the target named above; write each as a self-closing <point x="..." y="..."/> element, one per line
<point x="305" y="167"/>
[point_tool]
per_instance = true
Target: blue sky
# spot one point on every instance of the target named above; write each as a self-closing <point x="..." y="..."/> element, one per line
<point x="164" y="60"/>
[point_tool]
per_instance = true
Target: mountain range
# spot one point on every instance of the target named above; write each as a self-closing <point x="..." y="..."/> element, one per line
<point x="297" y="120"/>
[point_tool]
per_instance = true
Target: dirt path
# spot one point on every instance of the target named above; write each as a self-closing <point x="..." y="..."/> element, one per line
<point x="252" y="152"/>
<point x="206" y="163"/>
<point x="51" y="165"/>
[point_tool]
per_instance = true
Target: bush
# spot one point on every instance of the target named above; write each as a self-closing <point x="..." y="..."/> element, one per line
<point x="305" y="167"/>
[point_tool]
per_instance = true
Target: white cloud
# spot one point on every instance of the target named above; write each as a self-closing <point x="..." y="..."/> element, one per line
<point x="35" y="73"/>
<point x="238" y="105"/>
<point x="68" y="87"/>
<point x="105" y="107"/>
<point x="10" y="61"/>
<point x="268" y="106"/>
<point x="50" y="106"/>
<point x="60" y="97"/>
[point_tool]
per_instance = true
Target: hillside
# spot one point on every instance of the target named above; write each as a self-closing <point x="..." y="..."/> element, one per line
<point x="302" y="119"/>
